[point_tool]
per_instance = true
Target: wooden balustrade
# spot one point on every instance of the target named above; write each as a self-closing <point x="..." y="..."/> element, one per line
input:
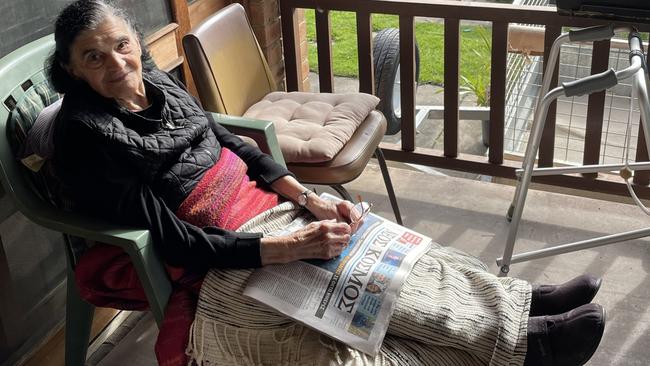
<point x="547" y="145"/>
<point x="452" y="71"/>
<point x="407" y="79"/>
<point x="364" y="46"/>
<point x="500" y="15"/>
<point x="498" y="90"/>
<point x="595" y="108"/>
<point x="324" y="37"/>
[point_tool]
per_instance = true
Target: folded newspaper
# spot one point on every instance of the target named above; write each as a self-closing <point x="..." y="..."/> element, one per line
<point x="350" y="298"/>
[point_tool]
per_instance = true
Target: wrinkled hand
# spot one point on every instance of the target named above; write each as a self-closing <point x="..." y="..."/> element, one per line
<point x="341" y="211"/>
<point x="320" y="240"/>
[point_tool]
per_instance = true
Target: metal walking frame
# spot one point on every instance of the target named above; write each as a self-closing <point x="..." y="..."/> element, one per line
<point x="590" y="84"/>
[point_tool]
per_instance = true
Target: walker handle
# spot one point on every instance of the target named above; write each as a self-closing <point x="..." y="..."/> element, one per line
<point x="597" y="33"/>
<point x="590" y="84"/>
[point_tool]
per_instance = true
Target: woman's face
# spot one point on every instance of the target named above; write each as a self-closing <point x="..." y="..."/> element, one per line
<point x="108" y="59"/>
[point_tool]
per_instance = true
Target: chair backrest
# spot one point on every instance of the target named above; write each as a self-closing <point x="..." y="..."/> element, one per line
<point x="23" y="86"/>
<point x="227" y="63"/>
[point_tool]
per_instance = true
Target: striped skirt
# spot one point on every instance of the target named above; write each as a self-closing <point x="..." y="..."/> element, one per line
<point x="451" y="311"/>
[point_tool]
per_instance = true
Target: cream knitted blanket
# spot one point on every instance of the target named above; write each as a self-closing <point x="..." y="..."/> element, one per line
<point x="451" y="311"/>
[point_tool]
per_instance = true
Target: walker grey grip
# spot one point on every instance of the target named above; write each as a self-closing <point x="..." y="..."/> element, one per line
<point x="598" y="33"/>
<point x="590" y="84"/>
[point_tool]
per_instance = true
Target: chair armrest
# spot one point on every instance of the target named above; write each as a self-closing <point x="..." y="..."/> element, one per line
<point x="137" y="243"/>
<point x="88" y="227"/>
<point x="263" y="132"/>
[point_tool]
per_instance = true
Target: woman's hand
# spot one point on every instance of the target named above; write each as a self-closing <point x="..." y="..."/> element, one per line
<point x="341" y="211"/>
<point x="320" y="239"/>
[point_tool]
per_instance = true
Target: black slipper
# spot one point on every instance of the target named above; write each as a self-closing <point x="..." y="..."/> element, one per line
<point x="557" y="299"/>
<point x="568" y="339"/>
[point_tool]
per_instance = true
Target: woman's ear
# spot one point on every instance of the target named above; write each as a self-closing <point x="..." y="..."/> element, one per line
<point x="68" y="69"/>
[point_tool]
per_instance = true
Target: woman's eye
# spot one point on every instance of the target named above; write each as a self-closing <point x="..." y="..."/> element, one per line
<point x="123" y="46"/>
<point x="94" y="59"/>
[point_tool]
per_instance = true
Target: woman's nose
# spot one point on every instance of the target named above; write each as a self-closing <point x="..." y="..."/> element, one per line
<point x="115" y="60"/>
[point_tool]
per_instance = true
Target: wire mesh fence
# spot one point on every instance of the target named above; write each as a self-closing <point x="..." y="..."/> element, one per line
<point x="571" y="117"/>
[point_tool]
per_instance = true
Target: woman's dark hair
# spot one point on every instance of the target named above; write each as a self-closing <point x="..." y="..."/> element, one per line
<point x="83" y="15"/>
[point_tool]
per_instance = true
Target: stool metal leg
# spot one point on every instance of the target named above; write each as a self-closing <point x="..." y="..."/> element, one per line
<point x="389" y="184"/>
<point x="342" y="192"/>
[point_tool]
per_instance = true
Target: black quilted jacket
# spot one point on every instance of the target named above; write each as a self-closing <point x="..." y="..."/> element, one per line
<point x="137" y="168"/>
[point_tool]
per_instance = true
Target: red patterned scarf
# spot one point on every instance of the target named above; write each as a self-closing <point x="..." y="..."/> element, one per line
<point x="225" y="197"/>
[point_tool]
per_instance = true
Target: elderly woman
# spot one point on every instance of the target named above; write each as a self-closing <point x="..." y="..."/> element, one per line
<point x="132" y="146"/>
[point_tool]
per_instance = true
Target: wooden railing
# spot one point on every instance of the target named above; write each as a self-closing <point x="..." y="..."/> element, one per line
<point x="500" y="15"/>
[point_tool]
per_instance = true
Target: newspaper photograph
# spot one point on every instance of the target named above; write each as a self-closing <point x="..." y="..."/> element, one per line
<point x="351" y="297"/>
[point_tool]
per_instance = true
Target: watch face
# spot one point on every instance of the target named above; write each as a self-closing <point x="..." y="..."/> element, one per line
<point x="302" y="199"/>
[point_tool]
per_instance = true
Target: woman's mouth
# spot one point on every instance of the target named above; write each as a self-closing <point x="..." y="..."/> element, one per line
<point x="119" y="77"/>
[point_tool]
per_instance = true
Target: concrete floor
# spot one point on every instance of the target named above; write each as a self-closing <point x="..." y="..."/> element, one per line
<point x="469" y="215"/>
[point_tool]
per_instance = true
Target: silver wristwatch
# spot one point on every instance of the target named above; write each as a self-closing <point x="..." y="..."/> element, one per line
<point x="302" y="197"/>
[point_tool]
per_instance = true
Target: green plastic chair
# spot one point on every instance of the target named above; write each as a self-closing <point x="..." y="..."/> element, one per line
<point x="22" y="70"/>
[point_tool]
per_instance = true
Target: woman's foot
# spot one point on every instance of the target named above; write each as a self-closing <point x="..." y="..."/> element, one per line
<point x="557" y="299"/>
<point x="568" y="339"/>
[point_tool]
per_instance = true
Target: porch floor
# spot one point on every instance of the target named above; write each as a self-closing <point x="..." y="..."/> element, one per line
<point x="469" y="215"/>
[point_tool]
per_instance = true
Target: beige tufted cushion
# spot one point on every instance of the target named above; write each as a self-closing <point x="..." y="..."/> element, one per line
<point x="313" y="127"/>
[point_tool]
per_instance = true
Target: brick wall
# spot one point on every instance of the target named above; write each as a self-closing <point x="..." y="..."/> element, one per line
<point x="264" y="16"/>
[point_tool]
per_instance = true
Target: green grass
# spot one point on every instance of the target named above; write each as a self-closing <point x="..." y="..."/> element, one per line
<point x="429" y="36"/>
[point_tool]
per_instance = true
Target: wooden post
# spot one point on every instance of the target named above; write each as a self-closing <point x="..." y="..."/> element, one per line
<point x="595" y="109"/>
<point x="452" y="68"/>
<point x="547" y="144"/>
<point x="364" y="45"/>
<point x="498" y="90"/>
<point x="181" y="16"/>
<point x="407" y="79"/>
<point x="324" y="42"/>
<point x="291" y="46"/>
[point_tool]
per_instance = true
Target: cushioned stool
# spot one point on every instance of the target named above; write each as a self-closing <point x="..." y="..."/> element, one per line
<point x="325" y="138"/>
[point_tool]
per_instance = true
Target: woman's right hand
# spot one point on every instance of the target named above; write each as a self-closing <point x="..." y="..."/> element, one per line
<point x="320" y="239"/>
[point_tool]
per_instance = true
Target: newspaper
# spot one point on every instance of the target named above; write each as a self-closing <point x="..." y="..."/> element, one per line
<point x="350" y="298"/>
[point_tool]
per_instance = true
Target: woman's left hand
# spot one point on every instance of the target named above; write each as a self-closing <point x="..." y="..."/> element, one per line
<point x="341" y="211"/>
